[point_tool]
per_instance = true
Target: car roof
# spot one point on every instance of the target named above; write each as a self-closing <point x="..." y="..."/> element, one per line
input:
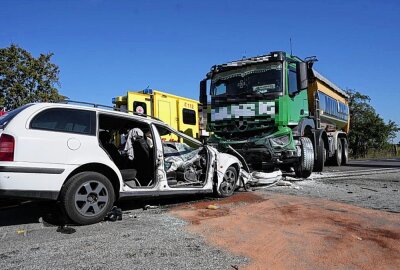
<point x="144" y="118"/>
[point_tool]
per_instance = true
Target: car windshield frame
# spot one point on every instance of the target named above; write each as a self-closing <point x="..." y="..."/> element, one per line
<point x="260" y="78"/>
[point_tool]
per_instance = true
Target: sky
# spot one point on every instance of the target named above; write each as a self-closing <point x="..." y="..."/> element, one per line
<point x="105" y="48"/>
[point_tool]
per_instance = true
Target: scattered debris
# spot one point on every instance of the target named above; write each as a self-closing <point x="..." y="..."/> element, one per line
<point x="65" y="229"/>
<point x="357" y="237"/>
<point x="261" y="178"/>
<point x="213" y="207"/>
<point x="283" y="183"/>
<point x="369" y="189"/>
<point x="115" y="214"/>
<point x="234" y="266"/>
<point x="148" y="206"/>
<point x="21" y="231"/>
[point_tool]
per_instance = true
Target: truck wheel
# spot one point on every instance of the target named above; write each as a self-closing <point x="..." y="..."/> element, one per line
<point x="305" y="165"/>
<point x="228" y="185"/>
<point x="337" y="159"/>
<point x="321" y="157"/>
<point x="87" y="197"/>
<point x="345" y="152"/>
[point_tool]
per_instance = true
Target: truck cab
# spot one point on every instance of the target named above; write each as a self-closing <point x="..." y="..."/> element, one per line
<point x="265" y="108"/>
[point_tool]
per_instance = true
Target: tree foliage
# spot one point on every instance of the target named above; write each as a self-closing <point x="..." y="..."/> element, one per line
<point x="367" y="129"/>
<point x="25" y="79"/>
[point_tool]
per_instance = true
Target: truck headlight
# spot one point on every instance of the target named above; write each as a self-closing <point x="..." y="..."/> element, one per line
<point x="280" y="141"/>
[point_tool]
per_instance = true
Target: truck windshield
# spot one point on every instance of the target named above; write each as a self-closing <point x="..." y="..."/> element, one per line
<point x="260" y="78"/>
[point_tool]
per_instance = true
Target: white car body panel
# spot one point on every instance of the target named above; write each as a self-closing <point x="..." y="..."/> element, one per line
<point x="40" y="153"/>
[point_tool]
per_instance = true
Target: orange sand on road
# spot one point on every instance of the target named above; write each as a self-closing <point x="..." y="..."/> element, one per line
<point x="289" y="232"/>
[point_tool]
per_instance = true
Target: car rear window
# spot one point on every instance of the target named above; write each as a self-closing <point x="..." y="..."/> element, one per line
<point x="66" y="120"/>
<point x="5" y="119"/>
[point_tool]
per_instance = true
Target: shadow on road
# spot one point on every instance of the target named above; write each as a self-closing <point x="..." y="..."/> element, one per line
<point x="50" y="214"/>
<point x="25" y="212"/>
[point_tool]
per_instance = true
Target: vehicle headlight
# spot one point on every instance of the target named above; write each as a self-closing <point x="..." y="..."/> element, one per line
<point x="280" y="141"/>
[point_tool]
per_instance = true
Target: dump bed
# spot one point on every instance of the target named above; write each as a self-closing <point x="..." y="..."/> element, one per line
<point x="333" y="102"/>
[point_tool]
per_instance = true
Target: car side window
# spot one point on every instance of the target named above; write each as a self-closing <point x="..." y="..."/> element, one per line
<point x="66" y="120"/>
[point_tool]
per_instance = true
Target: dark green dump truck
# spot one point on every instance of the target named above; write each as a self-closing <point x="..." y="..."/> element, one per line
<point x="278" y="112"/>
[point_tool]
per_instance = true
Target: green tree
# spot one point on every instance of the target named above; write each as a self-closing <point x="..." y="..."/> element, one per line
<point x="25" y="79"/>
<point x="367" y="128"/>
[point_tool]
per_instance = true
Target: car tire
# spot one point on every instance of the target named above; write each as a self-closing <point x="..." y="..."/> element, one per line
<point x="87" y="197"/>
<point x="337" y="159"/>
<point x="319" y="162"/>
<point x="228" y="185"/>
<point x="304" y="167"/>
<point x="345" y="151"/>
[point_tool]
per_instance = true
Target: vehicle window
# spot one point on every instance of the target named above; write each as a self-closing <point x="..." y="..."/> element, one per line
<point x="189" y="116"/>
<point x="263" y="78"/>
<point x="5" y="119"/>
<point x="66" y="120"/>
<point x="292" y="82"/>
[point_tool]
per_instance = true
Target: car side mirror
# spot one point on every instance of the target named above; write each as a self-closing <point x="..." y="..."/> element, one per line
<point x="302" y="78"/>
<point x="203" y="92"/>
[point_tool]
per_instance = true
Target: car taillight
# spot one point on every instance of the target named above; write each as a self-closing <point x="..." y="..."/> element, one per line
<point x="7" y="144"/>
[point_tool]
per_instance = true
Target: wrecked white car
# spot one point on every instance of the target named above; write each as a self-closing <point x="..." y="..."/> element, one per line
<point x="87" y="158"/>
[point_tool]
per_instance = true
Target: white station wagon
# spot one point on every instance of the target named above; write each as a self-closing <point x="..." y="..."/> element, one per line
<point x="87" y="158"/>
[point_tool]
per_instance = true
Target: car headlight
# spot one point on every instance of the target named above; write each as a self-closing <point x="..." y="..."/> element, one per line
<point x="280" y="141"/>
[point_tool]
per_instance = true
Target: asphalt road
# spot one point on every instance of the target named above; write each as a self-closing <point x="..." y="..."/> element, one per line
<point x="31" y="237"/>
<point x="371" y="184"/>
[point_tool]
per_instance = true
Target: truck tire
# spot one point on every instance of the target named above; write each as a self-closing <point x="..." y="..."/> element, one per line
<point x="345" y="152"/>
<point x="87" y="197"/>
<point x="228" y="185"/>
<point x="321" y="157"/>
<point x="304" y="167"/>
<point x="337" y="158"/>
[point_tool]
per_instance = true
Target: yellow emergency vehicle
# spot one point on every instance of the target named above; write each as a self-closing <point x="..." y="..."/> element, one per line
<point x="180" y="113"/>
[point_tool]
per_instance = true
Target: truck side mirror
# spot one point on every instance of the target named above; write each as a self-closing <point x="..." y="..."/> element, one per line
<point x="203" y="92"/>
<point x="302" y="79"/>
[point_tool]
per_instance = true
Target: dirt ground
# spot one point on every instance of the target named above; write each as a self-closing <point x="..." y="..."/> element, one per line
<point x="289" y="232"/>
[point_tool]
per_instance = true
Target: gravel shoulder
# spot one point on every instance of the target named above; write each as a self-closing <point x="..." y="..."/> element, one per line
<point x="150" y="239"/>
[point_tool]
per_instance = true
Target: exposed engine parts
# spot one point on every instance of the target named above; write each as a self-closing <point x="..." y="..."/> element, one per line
<point x="184" y="165"/>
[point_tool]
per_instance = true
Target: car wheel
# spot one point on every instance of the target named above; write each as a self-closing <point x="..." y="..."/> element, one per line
<point x="228" y="185"/>
<point x="304" y="167"/>
<point x="87" y="197"/>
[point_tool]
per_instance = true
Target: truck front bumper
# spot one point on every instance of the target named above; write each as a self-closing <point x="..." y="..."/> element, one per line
<point x="263" y="158"/>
